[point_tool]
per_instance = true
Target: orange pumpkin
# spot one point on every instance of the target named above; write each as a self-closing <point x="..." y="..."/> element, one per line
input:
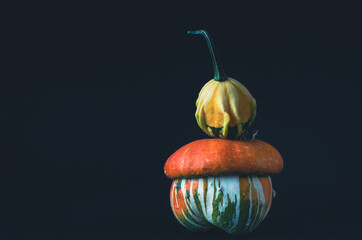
<point x="222" y="183"/>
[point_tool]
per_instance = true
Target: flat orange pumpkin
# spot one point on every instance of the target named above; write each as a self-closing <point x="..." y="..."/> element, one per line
<point x="214" y="157"/>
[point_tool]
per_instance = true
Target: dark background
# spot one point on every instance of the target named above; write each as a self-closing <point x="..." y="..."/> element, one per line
<point x="97" y="95"/>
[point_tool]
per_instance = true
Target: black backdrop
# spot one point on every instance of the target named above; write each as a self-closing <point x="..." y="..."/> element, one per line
<point x="97" y="95"/>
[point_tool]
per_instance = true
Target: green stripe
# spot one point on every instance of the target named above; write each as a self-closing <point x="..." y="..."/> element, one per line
<point x="189" y="209"/>
<point x="215" y="204"/>
<point x="198" y="203"/>
<point x="244" y="213"/>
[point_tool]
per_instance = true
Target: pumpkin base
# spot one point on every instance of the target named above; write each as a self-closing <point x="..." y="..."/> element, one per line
<point x="236" y="204"/>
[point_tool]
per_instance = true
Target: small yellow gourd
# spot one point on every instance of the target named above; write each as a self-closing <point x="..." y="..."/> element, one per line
<point x="225" y="108"/>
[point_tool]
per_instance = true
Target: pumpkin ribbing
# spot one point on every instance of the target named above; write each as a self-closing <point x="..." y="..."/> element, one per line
<point x="222" y="106"/>
<point x="233" y="203"/>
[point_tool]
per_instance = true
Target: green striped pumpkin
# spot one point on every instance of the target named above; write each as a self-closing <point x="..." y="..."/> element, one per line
<point x="235" y="204"/>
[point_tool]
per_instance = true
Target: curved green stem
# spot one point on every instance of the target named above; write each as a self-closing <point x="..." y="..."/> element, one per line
<point x="218" y="70"/>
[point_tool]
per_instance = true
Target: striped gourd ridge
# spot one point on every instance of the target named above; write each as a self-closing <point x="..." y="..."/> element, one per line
<point x="235" y="204"/>
<point x="225" y="107"/>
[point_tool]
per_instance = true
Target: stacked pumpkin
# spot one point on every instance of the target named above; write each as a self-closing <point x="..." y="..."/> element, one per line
<point x="223" y="182"/>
